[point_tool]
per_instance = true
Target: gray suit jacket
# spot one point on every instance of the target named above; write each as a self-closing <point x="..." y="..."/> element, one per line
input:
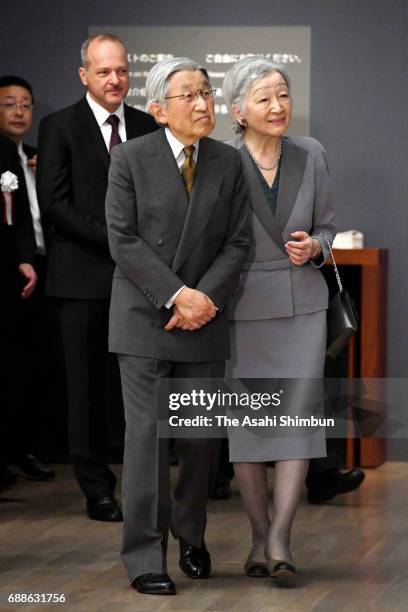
<point x="160" y="241"/>
<point x="271" y="286"/>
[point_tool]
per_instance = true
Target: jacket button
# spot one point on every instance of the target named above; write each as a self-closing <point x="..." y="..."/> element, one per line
<point x="160" y="241"/>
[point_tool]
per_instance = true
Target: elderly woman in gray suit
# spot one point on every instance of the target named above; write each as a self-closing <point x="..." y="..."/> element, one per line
<point x="278" y="316"/>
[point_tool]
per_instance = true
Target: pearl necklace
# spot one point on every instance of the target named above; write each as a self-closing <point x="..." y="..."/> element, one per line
<point x="275" y="163"/>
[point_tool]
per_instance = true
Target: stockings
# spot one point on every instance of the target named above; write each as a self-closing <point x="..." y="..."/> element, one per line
<point x="252" y="483"/>
<point x="271" y="524"/>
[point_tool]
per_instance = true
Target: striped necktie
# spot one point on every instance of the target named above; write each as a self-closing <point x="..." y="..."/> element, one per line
<point x="188" y="169"/>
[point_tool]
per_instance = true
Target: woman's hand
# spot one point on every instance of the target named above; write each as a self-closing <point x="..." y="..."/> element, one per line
<point x="302" y="248"/>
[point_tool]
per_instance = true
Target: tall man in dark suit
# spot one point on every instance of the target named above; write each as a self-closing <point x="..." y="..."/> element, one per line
<point x="177" y="224"/>
<point x="73" y="163"/>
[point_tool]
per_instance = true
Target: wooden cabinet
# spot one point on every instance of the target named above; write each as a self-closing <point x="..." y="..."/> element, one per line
<point x="367" y="352"/>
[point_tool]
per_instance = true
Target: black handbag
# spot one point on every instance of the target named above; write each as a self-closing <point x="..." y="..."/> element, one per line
<point x="342" y="318"/>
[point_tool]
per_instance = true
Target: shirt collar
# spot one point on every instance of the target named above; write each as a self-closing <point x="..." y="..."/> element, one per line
<point x="177" y="146"/>
<point x="20" y="149"/>
<point x="101" y="114"/>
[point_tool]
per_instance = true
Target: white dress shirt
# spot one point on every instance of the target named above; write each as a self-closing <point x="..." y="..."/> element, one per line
<point x="32" y="199"/>
<point x="101" y="115"/>
<point x="177" y="150"/>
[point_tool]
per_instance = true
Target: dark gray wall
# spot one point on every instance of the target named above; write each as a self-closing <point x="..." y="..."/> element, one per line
<point x="358" y="97"/>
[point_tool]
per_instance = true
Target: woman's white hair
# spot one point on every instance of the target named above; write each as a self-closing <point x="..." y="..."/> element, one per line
<point x="157" y="81"/>
<point x="240" y="78"/>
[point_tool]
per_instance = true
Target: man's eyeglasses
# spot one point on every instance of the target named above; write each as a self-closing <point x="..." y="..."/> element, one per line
<point x="17" y="105"/>
<point x="206" y="94"/>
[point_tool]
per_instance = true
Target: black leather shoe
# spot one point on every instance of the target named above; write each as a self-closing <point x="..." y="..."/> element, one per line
<point x="104" y="509"/>
<point x="154" y="584"/>
<point x="194" y="562"/>
<point x="34" y="468"/>
<point x="328" y="485"/>
<point x="222" y="489"/>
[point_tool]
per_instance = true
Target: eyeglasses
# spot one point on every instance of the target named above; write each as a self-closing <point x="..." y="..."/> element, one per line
<point x="17" y="105"/>
<point x="206" y="94"/>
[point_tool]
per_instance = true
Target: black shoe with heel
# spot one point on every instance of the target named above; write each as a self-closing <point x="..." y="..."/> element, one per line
<point x="256" y="569"/>
<point x="283" y="572"/>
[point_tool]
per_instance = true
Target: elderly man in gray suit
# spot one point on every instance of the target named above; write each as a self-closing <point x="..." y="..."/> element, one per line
<point x="176" y="209"/>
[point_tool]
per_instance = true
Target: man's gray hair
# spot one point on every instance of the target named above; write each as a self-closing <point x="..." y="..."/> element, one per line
<point x="239" y="79"/>
<point x="101" y="38"/>
<point x="157" y="81"/>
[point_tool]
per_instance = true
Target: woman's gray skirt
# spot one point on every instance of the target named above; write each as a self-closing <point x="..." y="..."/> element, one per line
<point x="286" y="348"/>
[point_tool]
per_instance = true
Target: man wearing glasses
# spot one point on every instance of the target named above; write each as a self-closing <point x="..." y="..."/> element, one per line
<point x="16" y="113"/>
<point x="177" y="225"/>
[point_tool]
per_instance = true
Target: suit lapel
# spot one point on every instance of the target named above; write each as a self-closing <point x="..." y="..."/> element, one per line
<point x="131" y="124"/>
<point x="89" y="126"/>
<point x="203" y="198"/>
<point x="159" y="163"/>
<point x="292" y="168"/>
<point x="258" y="200"/>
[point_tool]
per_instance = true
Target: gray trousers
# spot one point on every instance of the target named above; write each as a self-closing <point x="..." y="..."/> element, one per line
<point x="147" y="508"/>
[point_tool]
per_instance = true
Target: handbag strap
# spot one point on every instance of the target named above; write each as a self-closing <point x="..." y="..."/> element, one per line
<point x="334" y="263"/>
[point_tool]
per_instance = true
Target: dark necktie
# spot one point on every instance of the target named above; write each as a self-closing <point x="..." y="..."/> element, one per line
<point x="115" y="139"/>
<point x="188" y="169"/>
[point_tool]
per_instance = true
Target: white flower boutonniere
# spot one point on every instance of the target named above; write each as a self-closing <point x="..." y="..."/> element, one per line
<point x="8" y="182"/>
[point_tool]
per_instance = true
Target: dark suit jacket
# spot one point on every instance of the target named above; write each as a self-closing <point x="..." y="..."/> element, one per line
<point x="17" y="241"/>
<point x="72" y="178"/>
<point x="160" y="241"/>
